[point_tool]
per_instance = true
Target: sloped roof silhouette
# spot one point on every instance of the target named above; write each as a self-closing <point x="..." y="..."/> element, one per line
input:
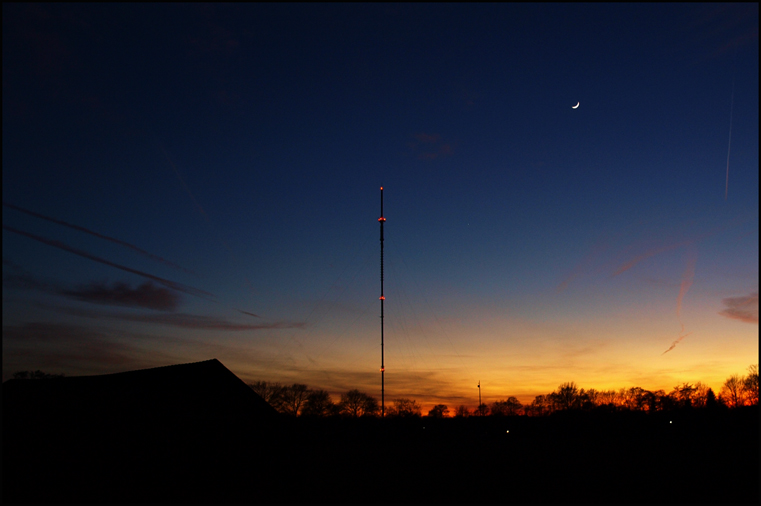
<point x="196" y="393"/>
<point x="166" y="434"/>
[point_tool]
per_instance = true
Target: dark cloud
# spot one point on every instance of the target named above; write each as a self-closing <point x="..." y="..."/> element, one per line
<point x="743" y="308"/>
<point x="146" y="295"/>
<point x="171" y="284"/>
<point x="120" y="293"/>
<point x="96" y="234"/>
<point x="182" y="320"/>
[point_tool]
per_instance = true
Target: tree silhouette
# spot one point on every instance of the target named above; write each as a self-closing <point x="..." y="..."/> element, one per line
<point x="355" y="404"/>
<point x="513" y="406"/>
<point x="508" y="407"/>
<point x="553" y="402"/>
<point x="405" y="408"/>
<point x="648" y="401"/>
<point x="567" y="394"/>
<point x="293" y="398"/>
<point x="639" y="398"/>
<point x="732" y="391"/>
<point x="539" y="406"/>
<point x="750" y="384"/>
<point x="699" y="396"/>
<point x="498" y="408"/>
<point x="297" y="399"/>
<point x="318" y="403"/>
<point x="606" y="398"/>
<point x="270" y="392"/>
<point x="439" y="411"/>
<point x="584" y="400"/>
<point x="592" y="398"/>
<point x="683" y="394"/>
<point x="461" y="411"/>
<point x="666" y="402"/>
<point x="631" y="398"/>
<point x="711" y="401"/>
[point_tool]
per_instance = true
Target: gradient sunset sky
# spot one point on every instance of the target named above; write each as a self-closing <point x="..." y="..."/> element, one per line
<point x="184" y="182"/>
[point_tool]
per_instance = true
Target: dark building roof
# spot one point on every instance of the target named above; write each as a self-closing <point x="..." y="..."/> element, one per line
<point x="197" y="392"/>
<point x="90" y="437"/>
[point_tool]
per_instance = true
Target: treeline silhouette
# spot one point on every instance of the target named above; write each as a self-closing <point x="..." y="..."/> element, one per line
<point x="194" y="433"/>
<point x="298" y="399"/>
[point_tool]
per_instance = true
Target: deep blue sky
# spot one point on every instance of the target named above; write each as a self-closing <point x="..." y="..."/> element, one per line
<point x="527" y="243"/>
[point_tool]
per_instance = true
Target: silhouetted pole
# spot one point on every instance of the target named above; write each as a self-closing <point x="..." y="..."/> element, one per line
<point x="382" y="298"/>
<point x="479" y="398"/>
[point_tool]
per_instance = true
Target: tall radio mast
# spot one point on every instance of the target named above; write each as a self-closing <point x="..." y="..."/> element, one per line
<point x="382" y="298"/>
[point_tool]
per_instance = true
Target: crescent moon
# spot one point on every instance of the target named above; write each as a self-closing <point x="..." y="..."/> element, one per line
<point x="576" y="106"/>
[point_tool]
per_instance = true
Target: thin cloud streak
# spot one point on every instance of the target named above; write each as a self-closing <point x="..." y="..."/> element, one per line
<point x="687" y="277"/>
<point x="200" y="209"/>
<point x="101" y="236"/>
<point x="652" y="252"/>
<point x="655" y="251"/>
<point x="182" y="320"/>
<point x="743" y="308"/>
<point x="584" y="265"/>
<point x="171" y="284"/>
<point x="673" y="345"/>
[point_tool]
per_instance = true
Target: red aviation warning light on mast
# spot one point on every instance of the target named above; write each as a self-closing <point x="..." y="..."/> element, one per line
<point x="382" y="220"/>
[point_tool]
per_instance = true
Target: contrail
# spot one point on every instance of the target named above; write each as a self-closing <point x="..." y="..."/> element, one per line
<point x="170" y="284"/>
<point x="673" y="345"/>
<point x="182" y="182"/>
<point x="200" y="209"/>
<point x="583" y="265"/>
<point x="96" y="234"/>
<point x="687" y="277"/>
<point x="651" y="252"/>
<point x="183" y="320"/>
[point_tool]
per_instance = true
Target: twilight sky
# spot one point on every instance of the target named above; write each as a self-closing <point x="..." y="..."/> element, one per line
<point x="186" y="182"/>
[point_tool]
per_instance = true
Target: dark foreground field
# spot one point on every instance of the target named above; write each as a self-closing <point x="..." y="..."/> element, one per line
<point x="693" y="456"/>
